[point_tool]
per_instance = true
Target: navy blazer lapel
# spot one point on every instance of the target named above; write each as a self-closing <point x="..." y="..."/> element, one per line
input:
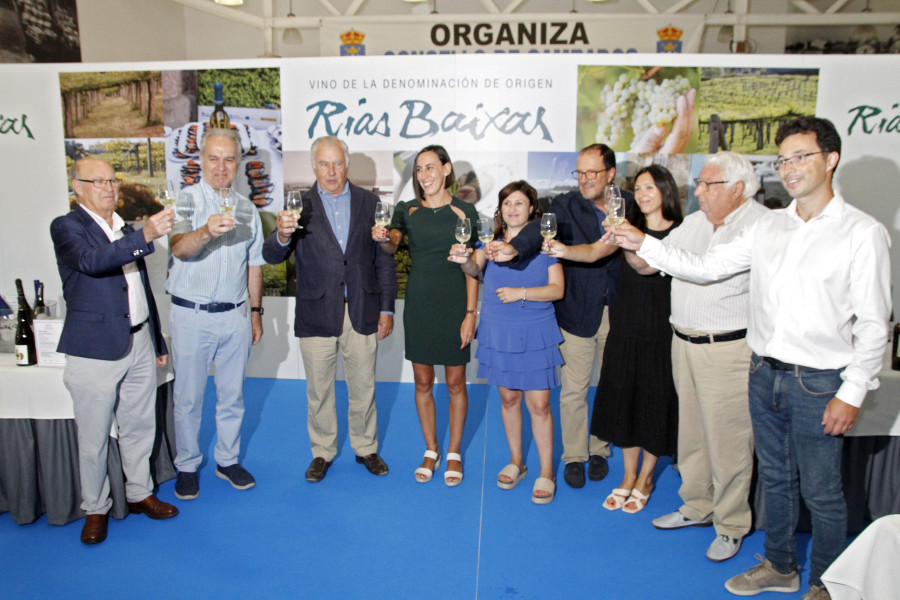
<point x="91" y="226"/>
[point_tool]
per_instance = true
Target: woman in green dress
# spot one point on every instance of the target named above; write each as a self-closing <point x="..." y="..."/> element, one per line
<point x="439" y="313"/>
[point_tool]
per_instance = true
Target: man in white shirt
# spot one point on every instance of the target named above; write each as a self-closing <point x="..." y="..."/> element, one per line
<point x="710" y="362"/>
<point x="819" y="310"/>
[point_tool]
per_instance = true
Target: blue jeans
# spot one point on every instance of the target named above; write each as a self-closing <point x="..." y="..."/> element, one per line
<point x="786" y="409"/>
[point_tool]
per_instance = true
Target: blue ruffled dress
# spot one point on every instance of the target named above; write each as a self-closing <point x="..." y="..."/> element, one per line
<point x="518" y="346"/>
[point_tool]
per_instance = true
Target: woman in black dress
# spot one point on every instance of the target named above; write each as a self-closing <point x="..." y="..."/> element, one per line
<point x="636" y="407"/>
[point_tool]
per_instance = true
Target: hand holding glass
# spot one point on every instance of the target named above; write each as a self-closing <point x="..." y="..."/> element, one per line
<point x="463" y="230"/>
<point x="615" y="205"/>
<point x="548" y="229"/>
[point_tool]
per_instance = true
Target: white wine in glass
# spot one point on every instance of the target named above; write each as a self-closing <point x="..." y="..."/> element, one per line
<point x="382" y="214"/>
<point x="485" y="230"/>
<point x="463" y="230"/>
<point x="548" y="226"/>
<point x="167" y="194"/>
<point x="615" y="205"/>
<point x="294" y="203"/>
<point x="227" y="200"/>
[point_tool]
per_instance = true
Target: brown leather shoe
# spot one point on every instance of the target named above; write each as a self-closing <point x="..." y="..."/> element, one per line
<point x="374" y="464"/>
<point x="94" y="530"/>
<point x="153" y="507"/>
<point x="317" y="469"/>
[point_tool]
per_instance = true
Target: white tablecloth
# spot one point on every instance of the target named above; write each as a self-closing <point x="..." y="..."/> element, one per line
<point x="869" y="569"/>
<point x="39" y="393"/>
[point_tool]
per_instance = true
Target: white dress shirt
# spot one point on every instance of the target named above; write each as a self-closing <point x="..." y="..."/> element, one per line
<point x="819" y="290"/>
<point x="719" y="306"/>
<point x="137" y="299"/>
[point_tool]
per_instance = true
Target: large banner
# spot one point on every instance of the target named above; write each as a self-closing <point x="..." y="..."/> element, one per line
<point x="502" y="117"/>
<point x="507" y="34"/>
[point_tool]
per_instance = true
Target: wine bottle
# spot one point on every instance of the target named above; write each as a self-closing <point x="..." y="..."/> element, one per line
<point x="26" y="352"/>
<point x="219" y="118"/>
<point x="40" y="309"/>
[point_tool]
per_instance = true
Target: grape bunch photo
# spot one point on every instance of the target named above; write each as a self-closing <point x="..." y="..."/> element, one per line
<point x="644" y="110"/>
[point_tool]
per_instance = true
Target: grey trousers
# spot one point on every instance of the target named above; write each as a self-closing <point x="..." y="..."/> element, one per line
<point x="123" y="392"/>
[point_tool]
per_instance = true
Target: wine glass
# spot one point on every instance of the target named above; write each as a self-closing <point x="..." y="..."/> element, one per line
<point x="294" y="203"/>
<point x="548" y="226"/>
<point x="615" y="206"/>
<point x="485" y="230"/>
<point x="383" y="216"/>
<point x="167" y="194"/>
<point x="463" y="230"/>
<point x="227" y="200"/>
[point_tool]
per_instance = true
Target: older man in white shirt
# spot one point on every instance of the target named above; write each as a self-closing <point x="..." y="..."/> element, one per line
<point x="710" y="364"/>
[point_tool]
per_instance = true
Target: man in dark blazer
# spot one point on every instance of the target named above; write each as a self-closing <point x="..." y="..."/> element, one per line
<point x="583" y="311"/>
<point x="113" y="341"/>
<point x="345" y="300"/>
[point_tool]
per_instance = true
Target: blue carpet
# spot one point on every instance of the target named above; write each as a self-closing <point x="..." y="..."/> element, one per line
<point x="358" y="536"/>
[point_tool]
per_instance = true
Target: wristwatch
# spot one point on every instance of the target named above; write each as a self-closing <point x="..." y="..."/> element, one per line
<point x="475" y="312"/>
<point x="258" y="309"/>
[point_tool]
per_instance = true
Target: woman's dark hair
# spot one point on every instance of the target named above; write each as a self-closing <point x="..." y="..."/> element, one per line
<point x="671" y="205"/>
<point x="508" y="190"/>
<point x="444" y="157"/>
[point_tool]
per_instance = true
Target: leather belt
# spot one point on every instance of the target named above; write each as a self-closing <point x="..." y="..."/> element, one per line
<point x="214" y="307"/>
<point x="729" y="336"/>
<point x="783" y="366"/>
<point x="136" y="328"/>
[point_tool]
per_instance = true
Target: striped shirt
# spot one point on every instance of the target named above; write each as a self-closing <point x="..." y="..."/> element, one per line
<point x="722" y="305"/>
<point x="219" y="272"/>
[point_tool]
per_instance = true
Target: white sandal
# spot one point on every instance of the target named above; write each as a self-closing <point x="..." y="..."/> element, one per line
<point x="619" y="497"/>
<point x="448" y="475"/>
<point x="424" y="474"/>
<point x="543" y="484"/>
<point x="514" y="473"/>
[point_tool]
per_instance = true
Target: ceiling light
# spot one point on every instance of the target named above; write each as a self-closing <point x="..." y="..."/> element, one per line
<point x="291" y="35"/>
<point x="230" y="2"/>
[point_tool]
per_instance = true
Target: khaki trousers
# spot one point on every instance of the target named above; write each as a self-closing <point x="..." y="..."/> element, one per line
<point x="715" y="436"/>
<point x="320" y="356"/>
<point x="579" y="355"/>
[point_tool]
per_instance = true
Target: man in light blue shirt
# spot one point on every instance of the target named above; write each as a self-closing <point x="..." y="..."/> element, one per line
<point x="215" y="279"/>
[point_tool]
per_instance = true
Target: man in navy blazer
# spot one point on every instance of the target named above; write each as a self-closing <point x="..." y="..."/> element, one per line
<point x="113" y="341"/>
<point x="345" y="299"/>
<point x="583" y="311"/>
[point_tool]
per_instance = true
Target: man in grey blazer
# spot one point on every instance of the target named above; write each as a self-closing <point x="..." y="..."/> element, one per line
<point x="345" y="301"/>
<point x="113" y="341"/>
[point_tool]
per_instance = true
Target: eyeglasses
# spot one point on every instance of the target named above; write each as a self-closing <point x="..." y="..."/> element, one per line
<point x="797" y="159"/>
<point x="100" y="183"/>
<point x="702" y="184"/>
<point x="589" y="175"/>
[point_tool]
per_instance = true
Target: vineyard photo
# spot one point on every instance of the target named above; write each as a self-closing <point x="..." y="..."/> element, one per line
<point x="120" y="104"/>
<point x="740" y="109"/>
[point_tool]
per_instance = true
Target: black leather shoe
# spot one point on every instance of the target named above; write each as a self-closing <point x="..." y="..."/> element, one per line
<point x="598" y="468"/>
<point x="317" y="469"/>
<point x="94" y="530"/>
<point x="574" y="474"/>
<point x="374" y="464"/>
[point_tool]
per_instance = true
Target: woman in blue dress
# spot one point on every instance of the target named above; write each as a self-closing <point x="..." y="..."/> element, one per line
<point x="518" y="338"/>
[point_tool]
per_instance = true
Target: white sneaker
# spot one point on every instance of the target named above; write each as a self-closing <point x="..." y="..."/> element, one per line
<point x="676" y="520"/>
<point x="762" y="578"/>
<point x="723" y="548"/>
